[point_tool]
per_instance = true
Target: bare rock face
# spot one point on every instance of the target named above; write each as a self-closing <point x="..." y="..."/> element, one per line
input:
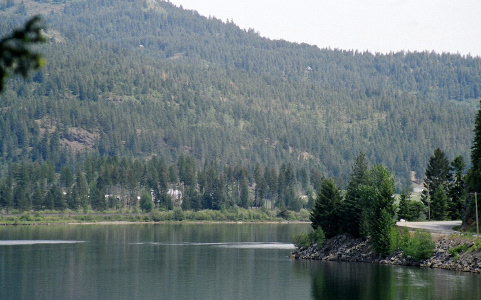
<point x="345" y="248"/>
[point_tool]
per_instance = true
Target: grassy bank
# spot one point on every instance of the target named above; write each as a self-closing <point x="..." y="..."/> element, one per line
<point x="230" y="215"/>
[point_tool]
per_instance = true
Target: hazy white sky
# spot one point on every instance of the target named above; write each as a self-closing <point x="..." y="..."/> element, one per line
<point x="375" y="25"/>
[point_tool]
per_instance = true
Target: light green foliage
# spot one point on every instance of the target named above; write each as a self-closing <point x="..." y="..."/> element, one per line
<point x="304" y="240"/>
<point x="456" y="251"/>
<point x="178" y="214"/>
<point x="396" y="239"/>
<point x="420" y="246"/>
<point x="405" y="240"/>
<point x="317" y="237"/>
<point x="301" y="240"/>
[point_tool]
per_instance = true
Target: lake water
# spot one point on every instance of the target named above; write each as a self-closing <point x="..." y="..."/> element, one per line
<point x="198" y="261"/>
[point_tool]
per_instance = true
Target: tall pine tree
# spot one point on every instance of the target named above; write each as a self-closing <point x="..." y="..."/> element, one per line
<point x="352" y="206"/>
<point x="437" y="174"/>
<point x="457" y="190"/>
<point x="474" y="174"/>
<point x="326" y="211"/>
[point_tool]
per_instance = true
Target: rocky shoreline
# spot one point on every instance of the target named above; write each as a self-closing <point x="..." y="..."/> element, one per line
<point x="348" y="249"/>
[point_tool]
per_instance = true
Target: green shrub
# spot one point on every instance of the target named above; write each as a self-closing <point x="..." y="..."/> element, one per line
<point x="178" y="214"/>
<point x="421" y="246"/>
<point x="304" y="240"/>
<point x="458" y="250"/>
<point x="405" y="240"/>
<point x="146" y="203"/>
<point x="284" y="213"/>
<point x="395" y="239"/>
<point x="26" y="218"/>
<point x="301" y="240"/>
<point x="317" y="237"/>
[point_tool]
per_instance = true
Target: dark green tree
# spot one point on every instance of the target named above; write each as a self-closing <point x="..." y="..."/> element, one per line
<point x="439" y="204"/>
<point x="146" y="203"/>
<point x="381" y="232"/>
<point x="316" y="179"/>
<point x="6" y="195"/>
<point x="457" y="190"/>
<point x="244" y="193"/>
<point x="187" y="170"/>
<point x="66" y="178"/>
<point x="81" y="190"/>
<point x="97" y="197"/>
<point x="173" y="174"/>
<point x="21" y="198"/>
<point x="352" y="206"/>
<point x="259" y="192"/>
<point x="56" y="194"/>
<point x="38" y="197"/>
<point x="437" y="174"/>
<point x="327" y="209"/>
<point x="378" y="208"/>
<point x="404" y="211"/>
<point x="474" y="174"/>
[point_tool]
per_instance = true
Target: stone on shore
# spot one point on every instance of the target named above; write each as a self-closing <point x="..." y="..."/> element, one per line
<point x="345" y="248"/>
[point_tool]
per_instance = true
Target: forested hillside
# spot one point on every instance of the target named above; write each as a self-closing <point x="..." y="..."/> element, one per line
<point x="137" y="78"/>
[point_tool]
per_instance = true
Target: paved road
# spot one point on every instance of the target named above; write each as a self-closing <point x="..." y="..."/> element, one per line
<point x="445" y="227"/>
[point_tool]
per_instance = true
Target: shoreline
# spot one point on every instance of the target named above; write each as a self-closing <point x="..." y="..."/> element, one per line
<point x="238" y="215"/>
<point x="183" y="222"/>
<point x="347" y="249"/>
<point x="150" y="222"/>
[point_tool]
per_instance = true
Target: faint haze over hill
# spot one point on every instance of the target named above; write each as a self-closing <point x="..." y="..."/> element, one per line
<point x="204" y="88"/>
<point x="373" y="25"/>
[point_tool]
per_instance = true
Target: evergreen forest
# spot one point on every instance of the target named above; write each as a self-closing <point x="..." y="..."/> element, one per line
<point x="143" y="96"/>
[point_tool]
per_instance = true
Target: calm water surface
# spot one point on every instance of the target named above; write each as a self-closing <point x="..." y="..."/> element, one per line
<point x="198" y="261"/>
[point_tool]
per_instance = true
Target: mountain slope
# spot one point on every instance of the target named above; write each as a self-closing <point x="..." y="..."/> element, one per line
<point x="136" y="78"/>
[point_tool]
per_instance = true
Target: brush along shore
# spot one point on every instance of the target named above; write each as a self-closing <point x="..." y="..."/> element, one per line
<point x="451" y="252"/>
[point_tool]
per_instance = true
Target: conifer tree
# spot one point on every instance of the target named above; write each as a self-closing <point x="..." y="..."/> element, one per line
<point x="326" y="211"/>
<point x="457" y="190"/>
<point x="404" y="201"/>
<point x="378" y="208"/>
<point x="474" y="174"/>
<point x="80" y="189"/>
<point x="244" y="193"/>
<point x="439" y="204"/>
<point x="437" y="174"/>
<point x="352" y="206"/>
<point x="6" y="194"/>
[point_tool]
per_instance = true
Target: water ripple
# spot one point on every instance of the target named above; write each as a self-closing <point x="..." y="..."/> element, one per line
<point x="35" y="242"/>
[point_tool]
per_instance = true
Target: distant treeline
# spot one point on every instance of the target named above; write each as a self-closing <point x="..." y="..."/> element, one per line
<point x="106" y="183"/>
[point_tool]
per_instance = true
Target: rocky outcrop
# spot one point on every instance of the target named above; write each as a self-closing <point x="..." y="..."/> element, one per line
<point x="345" y="248"/>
